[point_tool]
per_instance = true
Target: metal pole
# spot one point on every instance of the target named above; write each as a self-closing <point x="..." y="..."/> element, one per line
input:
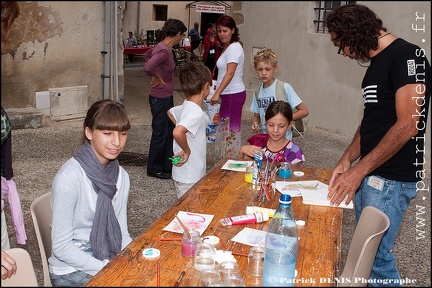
<point x="138" y="17"/>
<point x="116" y="92"/>
<point x="107" y="51"/>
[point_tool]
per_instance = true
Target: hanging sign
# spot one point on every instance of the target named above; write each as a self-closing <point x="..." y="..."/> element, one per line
<point x="210" y="8"/>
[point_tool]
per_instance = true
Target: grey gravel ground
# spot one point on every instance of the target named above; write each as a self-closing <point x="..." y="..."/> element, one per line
<point x="39" y="153"/>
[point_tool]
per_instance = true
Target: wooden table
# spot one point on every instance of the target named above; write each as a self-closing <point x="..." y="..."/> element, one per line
<point x="224" y="193"/>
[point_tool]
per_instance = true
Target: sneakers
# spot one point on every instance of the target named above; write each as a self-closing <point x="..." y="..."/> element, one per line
<point x="160" y="175"/>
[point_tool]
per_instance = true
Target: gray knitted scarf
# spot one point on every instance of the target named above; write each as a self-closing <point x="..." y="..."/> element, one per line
<point x="105" y="236"/>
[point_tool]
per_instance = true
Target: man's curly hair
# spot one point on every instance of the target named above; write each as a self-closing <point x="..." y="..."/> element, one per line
<point x="357" y="27"/>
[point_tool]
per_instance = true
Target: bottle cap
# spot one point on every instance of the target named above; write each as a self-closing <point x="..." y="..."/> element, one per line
<point x="300" y="222"/>
<point x="265" y="216"/>
<point x="285" y="199"/>
<point x="298" y="173"/>
<point x="151" y="253"/>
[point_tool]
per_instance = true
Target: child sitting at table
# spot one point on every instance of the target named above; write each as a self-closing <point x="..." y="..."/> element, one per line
<point x="190" y="131"/>
<point x="274" y="145"/>
<point x="89" y="198"/>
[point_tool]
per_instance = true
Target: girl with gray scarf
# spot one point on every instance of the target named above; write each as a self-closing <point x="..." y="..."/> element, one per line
<point x="89" y="199"/>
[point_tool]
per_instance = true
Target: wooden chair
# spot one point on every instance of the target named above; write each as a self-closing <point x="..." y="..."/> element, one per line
<point x="372" y="225"/>
<point x="25" y="275"/>
<point x="40" y="210"/>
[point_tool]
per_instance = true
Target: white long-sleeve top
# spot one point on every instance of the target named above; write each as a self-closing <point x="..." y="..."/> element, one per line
<point x="73" y="204"/>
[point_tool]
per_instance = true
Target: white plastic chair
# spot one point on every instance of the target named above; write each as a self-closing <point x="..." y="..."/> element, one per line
<point x="40" y="210"/>
<point x="372" y="225"/>
<point x="25" y="275"/>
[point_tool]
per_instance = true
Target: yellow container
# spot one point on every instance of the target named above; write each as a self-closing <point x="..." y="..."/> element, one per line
<point x="248" y="174"/>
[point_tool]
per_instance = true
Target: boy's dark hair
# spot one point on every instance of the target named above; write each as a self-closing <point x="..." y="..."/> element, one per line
<point x="193" y="76"/>
<point x="277" y="107"/>
<point x="357" y="27"/>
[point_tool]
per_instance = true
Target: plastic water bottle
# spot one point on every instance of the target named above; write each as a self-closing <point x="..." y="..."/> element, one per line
<point x="281" y="246"/>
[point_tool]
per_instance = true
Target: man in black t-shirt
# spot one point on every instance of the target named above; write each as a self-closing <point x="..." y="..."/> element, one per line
<point x="389" y="143"/>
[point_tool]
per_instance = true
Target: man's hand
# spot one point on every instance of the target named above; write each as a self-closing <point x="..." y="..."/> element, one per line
<point x="344" y="181"/>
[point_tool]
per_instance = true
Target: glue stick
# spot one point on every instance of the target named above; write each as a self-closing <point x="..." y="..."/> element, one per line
<point x="257" y="217"/>
<point x="253" y="209"/>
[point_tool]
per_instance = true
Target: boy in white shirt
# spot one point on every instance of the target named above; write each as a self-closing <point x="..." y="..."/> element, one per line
<point x="265" y="63"/>
<point x="190" y="131"/>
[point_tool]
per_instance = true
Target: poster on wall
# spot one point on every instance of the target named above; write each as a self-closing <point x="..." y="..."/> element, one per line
<point x="210" y="8"/>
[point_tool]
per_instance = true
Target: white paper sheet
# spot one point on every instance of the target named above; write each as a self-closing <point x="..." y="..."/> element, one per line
<point x="286" y="187"/>
<point x="235" y="165"/>
<point x="251" y="237"/>
<point x="315" y="193"/>
<point x="192" y="221"/>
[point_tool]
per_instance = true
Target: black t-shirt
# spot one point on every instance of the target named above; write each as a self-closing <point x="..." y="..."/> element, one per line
<point x="399" y="64"/>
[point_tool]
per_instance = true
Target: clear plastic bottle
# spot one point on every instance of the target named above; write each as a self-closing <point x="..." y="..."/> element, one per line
<point x="281" y="246"/>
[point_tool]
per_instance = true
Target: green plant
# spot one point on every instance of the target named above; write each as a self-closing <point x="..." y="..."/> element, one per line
<point x="141" y="37"/>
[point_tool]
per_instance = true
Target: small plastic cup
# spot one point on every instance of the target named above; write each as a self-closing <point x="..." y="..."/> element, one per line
<point x="248" y="174"/>
<point x="204" y="256"/>
<point x="188" y="244"/>
<point x="256" y="261"/>
<point x="230" y="274"/>
<point x="285" y="170"/>
<point x="209" y="277"/>
<point x="234" y="280"/>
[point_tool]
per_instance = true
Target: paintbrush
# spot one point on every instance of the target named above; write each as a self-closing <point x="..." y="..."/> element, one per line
<point x="158" y="274"/>
<point x="177" y="283"/>
<point x="184" y="227"/>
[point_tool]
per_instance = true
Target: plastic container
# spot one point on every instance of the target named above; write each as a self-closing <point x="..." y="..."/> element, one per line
<point x="248" y="174"/>
<point x="285" y="170"/>
<point x="281" y="246"/>
<point x="204" y="256"/>
<point x="256" y="261"/>
<point x="256" y="217"/>
<point x="188" y="244"/>
<point x="230" y="274"/>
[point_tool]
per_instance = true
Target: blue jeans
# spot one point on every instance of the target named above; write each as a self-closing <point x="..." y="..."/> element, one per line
<point x="74" y="279"/>
<point x="393" y="198"/>
<point x="161" y="143"/>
